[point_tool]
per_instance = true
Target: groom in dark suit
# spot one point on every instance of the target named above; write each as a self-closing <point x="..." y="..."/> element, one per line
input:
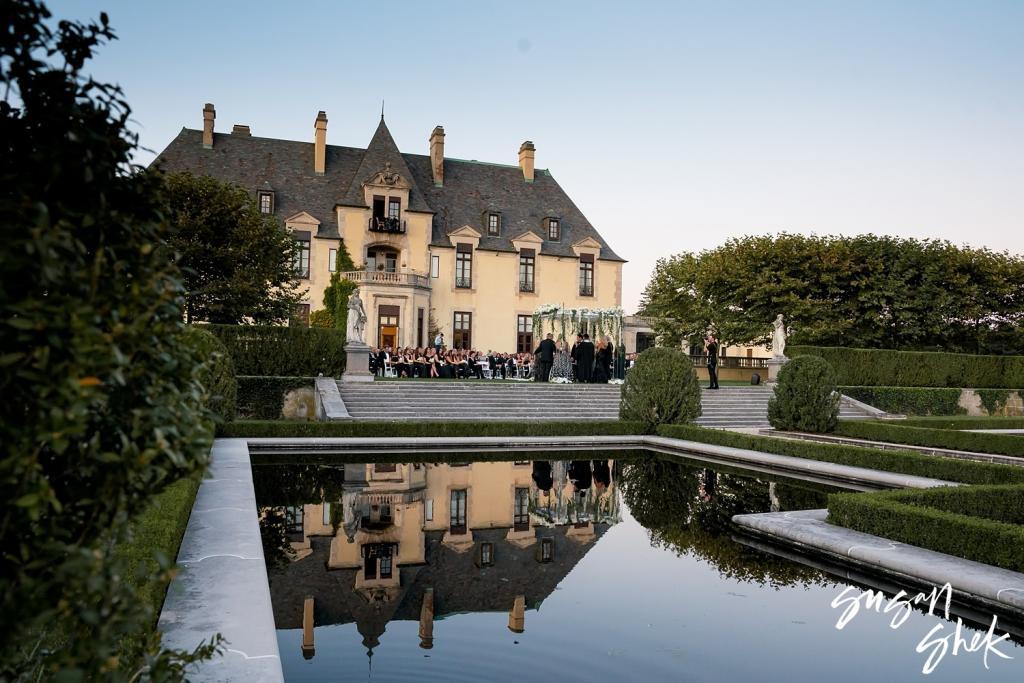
<point x="585" y="360"/>
<point x="545" y="355"/>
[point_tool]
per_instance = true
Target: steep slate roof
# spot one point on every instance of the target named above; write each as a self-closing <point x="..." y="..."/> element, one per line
<point x="471" y="189"/>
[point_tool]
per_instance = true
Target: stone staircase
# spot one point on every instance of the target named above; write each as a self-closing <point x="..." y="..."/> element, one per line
<point x="733" y="407"/>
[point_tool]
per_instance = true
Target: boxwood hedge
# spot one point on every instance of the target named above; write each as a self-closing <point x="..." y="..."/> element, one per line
<point x="262" y="398"/>
<point x="1001" y="444"/>
<point x="965" y="422"/>
<point x="883" y="367"/>
<point x="908" y="400"/>
<point x="283" y="351"/>
<point x="980" y="523"/>
<point x="358" y="428"/>
<point x="904" y="462"/>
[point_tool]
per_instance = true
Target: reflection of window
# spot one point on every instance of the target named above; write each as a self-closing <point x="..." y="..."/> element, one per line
<point x="293" y="519"/>
<point x="521" y="516"/>
<point x="486" y="556"/>
<point x="327" y="513"/>
<point x="428" y="510"/>
<point x="385" y="567"/>
<point x="546" y="550"/>
<point x="457" y="512"/>
<point x="385" y="467"/>
<point x="524" y="334"/>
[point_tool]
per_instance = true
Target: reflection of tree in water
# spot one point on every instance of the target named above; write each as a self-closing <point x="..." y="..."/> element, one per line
<point x="689" y="510"/>
<point x="281" y="486"/>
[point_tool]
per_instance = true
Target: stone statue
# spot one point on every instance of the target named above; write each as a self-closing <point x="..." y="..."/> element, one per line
<point x="778" y="338"/>
<point x="356" y="319"/>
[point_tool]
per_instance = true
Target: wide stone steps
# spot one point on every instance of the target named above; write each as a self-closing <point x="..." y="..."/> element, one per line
<point x="482" y="400"/>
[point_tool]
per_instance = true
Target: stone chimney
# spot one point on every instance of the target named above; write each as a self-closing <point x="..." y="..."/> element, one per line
<point x="209" y="114"/>
<point x="437" y="155"/>
<point x="526" y="152"/>
<point x="240" y="129"/>
<point x="320" y="143"/>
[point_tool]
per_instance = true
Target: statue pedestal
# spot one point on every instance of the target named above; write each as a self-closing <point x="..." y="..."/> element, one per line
<point x="774" y="365"/>
<point x="357" y="363"/>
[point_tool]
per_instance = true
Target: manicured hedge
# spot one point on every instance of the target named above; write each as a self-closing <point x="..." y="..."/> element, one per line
<point x="904" y="462"/>
<point x="882" y="367"/>
<point x="357" y="428"/>
<point x="980" y="523"/>
<point x="283" y="351"/>
<point x="1002" y="444"/>
<point x="909" y="400"/>
<point x="965" y="422"/>
<point x="262" y="398"/>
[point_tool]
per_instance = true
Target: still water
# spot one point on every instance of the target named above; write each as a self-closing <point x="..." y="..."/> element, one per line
<point x="607" y="566"/>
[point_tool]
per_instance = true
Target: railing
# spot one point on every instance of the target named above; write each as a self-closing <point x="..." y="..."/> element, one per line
<point x="526" y="285"/>
<point x="586" y="290"/>
<point x="701" y="361"/>
<point x="383" y="277"/>
<point x="387" y="224"/>
<point x="464" y="282"/>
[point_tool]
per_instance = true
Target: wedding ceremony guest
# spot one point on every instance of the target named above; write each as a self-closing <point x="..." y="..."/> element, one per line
<point x="574" y="353"/>
<point x="602" y="363"/>
<point x="561" y="368"/>
<point x="609" y="357"/>
<point x="373" y="360"/>
<point x="383" y="357"/>
<point x="712" y="351"/>
<point x="585" y="360"/>
<point x="439" y="342"/>
<point x="545" y="357"/>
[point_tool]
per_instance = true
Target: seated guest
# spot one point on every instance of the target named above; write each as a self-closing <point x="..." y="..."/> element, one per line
<point x="476" y="365"/>
<point x="383" y="357"/>
<point x="373" y="360"/>
<point x="402" y="365"/>
<point x="418" y="363"/>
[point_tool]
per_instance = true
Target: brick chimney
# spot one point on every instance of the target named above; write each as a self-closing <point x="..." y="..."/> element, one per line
<point x="526" y="152"/>
<point x="437" y="155"/>
<point x="209" y="114"/>
<point x="320" y="143"/>
<point x="241" y="129"/>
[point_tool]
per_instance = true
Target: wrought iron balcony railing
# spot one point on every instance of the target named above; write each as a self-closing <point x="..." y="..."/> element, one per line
<point x="526" y="285"/>
<point x="586" y="290"/>
<point x="387" y="224"/>
<point x="464" y="282"/>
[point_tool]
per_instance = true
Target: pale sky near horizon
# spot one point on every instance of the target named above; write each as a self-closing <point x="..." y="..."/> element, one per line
<point x="673" y="125"/>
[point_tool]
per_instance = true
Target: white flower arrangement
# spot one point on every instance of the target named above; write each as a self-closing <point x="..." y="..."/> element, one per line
<point x="562" y="322"/>
<point x="560" y="380"/>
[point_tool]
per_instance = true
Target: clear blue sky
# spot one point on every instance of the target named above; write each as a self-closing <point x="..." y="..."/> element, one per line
<point x="673" y="125"/>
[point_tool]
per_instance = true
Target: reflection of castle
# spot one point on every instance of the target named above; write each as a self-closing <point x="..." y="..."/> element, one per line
<point x="473" y="537"/>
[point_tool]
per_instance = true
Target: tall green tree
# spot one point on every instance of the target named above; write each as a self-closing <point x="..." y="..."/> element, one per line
<point x="336" y="293"/>
<point x="865" y="291"/>
<point x="102" y="407"/>
<point x="238" y="263"/>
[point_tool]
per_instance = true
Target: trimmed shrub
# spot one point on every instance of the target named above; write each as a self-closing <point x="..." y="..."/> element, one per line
<point x="354" y="429"/>
<point x="805" y="397"/>
<point x="965" y="422"/>
<point x="262" y="398"/>
<point x="980" y="523"/>
<point x="903" y="462"/>
<point x="909" y="400"/>
<point x="993" y="400"/>
<point x="283" y="351"/>
<point x="660" y="388"/>
<point x="1002" y="444"/>
<point x="217" y="373"/>
<point x="882" y="367"/>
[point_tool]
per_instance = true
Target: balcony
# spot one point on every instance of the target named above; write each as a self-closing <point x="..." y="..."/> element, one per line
<point x="526" y="286"/>
<point x="388" y="225"/>
<point x="383" y="277"/>
<point x="586" y="290"/>
<point x="464" y="282"/>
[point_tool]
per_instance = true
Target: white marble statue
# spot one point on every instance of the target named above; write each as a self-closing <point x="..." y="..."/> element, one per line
<point x="778" y="338"/>
<point x="356" y="319"/>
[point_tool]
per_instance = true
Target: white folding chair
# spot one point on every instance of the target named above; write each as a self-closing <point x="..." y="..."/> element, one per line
<point x="389" y="370"/>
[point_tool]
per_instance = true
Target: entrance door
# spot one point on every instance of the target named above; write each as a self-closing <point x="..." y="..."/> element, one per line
<point x="387" y="321"/>
<point x="389" y="335"/>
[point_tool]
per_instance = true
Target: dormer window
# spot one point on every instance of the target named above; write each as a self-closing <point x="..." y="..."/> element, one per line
<point x="266" y="201"/>
<point x="494" y="224"/>
<point x="554" y="229"/>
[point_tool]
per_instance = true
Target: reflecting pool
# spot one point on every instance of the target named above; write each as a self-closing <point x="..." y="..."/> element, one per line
<point x="578" y="566"/>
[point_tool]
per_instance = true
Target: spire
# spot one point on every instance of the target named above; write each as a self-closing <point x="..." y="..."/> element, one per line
<point x="382" y="109"/>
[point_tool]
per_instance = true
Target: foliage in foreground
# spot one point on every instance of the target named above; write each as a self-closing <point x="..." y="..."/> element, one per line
<point x="980" y="523"/>
<point x="805" y="397"/>
<point x="238" y="263"/>
<point x="217" y="374"/>
<point x="903" y="462"/>
<point x="102" y="409"/>
<point x="661" y="388"/>
<point x="1000" y="444"/>
<point x="865" y="291"/>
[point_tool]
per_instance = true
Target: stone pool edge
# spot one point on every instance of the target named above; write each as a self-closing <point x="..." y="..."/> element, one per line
<point x="222" y="585"/>
<point x="808" y="529"/>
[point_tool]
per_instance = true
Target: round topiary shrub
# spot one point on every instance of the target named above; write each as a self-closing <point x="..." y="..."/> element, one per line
<point x="805" y="397"/>
<point x="660" y="388"/>
<point x="217" y="372"/>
